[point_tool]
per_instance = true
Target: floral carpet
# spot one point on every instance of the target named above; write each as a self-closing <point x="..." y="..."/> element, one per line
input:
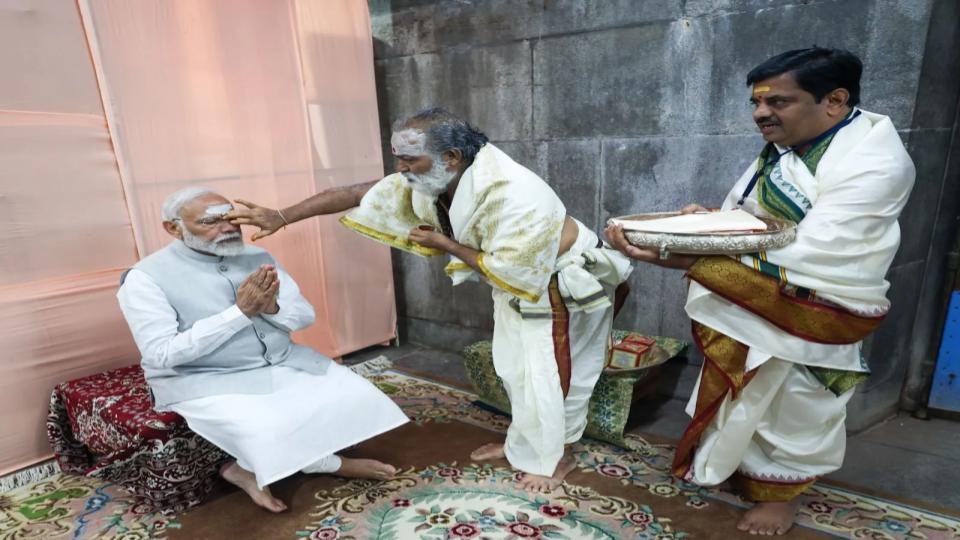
<point x="616" y="493"/>
<point x="76" y="507"/>
<point x="477" y="501"/>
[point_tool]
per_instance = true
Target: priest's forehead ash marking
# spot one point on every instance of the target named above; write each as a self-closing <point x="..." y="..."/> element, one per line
<point x="408" y="142"/>
<point x="760" y="89"/>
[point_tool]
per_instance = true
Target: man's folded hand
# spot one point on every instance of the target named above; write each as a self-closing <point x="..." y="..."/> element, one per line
<point x="258" y="293"/>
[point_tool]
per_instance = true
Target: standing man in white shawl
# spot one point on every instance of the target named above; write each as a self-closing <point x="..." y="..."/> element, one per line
<point x="781" y="330"/>
<point x="553" y="284"/>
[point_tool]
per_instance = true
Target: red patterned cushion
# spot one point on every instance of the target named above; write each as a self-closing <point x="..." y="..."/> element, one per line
<point x="113" y="411"/>
<point x="105" y="426"/>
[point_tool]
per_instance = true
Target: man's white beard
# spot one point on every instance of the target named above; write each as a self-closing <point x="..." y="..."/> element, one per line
<point x="225" y="245"/>
<point x="434" y="181"/>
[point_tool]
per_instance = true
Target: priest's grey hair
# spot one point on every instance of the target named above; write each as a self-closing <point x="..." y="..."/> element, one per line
<point x="176" y="201"/>
<point x="445" y="131"/>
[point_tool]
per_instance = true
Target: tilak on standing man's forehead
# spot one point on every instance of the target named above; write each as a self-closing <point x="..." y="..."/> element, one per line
<point x="782" y="329"/>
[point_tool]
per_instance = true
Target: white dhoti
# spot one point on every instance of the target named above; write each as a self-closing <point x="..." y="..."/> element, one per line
<point x="784" y="427"/>
<point x="524" y="357"/>
<point x="527" y="339"/>
<point x="299" y="426"/>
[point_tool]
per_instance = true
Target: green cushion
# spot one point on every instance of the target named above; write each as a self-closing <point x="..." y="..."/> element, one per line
<point x="612" y="397"/>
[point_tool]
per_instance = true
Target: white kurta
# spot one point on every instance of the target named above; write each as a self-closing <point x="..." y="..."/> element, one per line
<point x="297" y="427"/>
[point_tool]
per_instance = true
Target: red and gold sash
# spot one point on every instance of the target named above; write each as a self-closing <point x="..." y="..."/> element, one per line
<point x="764" y="296"/>
<point x="724" y="370"/>
<point x="561" y="334"/>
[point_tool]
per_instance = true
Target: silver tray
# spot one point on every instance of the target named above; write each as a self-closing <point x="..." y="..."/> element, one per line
<point x="779" y="233"/>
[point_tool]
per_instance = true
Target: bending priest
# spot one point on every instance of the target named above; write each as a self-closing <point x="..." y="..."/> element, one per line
<point x="553" y="285"/>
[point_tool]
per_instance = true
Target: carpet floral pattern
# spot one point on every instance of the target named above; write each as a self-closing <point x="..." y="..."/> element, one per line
<point x="355" y="507"/>
<point x="476" y="501"/>
<point x="77" y="507"/>
<point x="469" y="501"/>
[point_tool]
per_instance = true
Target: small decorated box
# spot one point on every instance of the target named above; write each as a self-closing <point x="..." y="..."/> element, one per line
<point x="630" y="352"/>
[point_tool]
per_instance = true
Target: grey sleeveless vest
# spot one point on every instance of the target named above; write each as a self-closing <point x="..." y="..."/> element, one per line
<point x="199" y="286"/>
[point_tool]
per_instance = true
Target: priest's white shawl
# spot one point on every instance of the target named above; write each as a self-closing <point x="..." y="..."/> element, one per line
<point x="501" y="209"/>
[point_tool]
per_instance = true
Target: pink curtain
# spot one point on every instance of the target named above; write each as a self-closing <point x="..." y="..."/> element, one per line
<point x="266" y="101"/>
<point x="66" y="230"/>
<point x="336" y="51"/>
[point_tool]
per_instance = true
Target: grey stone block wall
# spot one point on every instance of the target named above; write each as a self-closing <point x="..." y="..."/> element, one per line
<point x="627" y="105"/>
<point x="935" y="145"/>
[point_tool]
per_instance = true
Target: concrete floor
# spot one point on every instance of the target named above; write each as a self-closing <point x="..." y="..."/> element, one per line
<point x="906" y="457"/>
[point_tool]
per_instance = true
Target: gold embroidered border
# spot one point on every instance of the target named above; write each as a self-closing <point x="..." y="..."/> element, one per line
<point x="389" y="239"/>
<point x="769" y="490"/>
<point x="455" y="267"/>
<point x="520" y="293"/>
<point x="761" y="295"/>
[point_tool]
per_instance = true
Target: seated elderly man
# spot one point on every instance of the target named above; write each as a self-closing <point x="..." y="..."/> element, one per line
<point x="212" y="319"/>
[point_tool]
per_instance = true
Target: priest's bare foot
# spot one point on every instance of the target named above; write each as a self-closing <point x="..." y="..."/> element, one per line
<point x="245" y="480"/>
<point x="546" y="484"/>
<point x="488" y="452"/>
<point x="769" y="518"/>
<point x="370" y="469"/>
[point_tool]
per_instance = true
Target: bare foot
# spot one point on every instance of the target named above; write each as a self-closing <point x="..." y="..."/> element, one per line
<point x="370" y="469"/>
<point x="245" y="480"/>
<point x="487" y="452"/>
<point x="546" y="484"/>
<point x="769" y="518"/>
